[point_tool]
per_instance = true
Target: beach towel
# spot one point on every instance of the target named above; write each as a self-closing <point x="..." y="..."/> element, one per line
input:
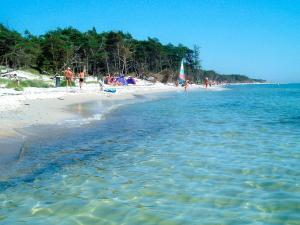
<point x="110" y="90"/>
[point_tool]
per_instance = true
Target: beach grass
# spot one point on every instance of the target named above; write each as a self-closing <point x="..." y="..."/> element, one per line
<point x="3" y="81"/>
<point x="64" y="83"/>
<point x="24" y="83"/>
<point x="31" y="70"/>
<point x="92" y="82"/>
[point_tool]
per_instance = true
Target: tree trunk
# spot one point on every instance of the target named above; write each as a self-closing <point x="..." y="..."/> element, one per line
<point x="107" y="65"/>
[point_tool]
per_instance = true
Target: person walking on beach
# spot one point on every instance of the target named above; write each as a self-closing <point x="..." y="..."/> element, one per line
<point x="81" y="78"/>
<point x="69" y="76"/>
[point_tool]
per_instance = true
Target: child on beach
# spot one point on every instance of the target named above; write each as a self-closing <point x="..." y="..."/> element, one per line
<point x="101" y="84"/>
<point x="81" y="78"/>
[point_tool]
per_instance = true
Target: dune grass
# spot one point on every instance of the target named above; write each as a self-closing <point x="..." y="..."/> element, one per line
<point x="31" y="70"/>
<point x="64" y="83"/>
<point x="3" y="81"/>
<point x="92" y="82"/>
<point x="23" y="84"/>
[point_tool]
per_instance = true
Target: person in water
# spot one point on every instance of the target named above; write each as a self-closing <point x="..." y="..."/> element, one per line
<point x="69" y="76"/>
<point x="206" y="81"/>
<point x="81" y="78"/>
<point x="186" y="84"/>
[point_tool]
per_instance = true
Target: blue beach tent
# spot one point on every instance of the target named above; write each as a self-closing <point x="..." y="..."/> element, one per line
<point x="131" y="80"/>
<point x="121" y="79"/>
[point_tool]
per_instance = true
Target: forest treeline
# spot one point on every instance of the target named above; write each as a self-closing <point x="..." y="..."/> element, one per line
<point x="101" y="53"/>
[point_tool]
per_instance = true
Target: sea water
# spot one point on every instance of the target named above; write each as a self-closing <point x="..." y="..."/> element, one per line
<point x="201" y="157"/>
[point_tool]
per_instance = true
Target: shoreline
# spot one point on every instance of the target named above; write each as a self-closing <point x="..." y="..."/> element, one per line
<point x="54" y="109"/>
<point x="66" y="110"/>
<point x="36" y="106"/>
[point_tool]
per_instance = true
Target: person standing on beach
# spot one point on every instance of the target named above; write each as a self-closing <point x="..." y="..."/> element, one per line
<point x="186" y="84"/>
<point x="206" y="82"/>
<point x="81" y="78"/>
<point x="69" y="76"/>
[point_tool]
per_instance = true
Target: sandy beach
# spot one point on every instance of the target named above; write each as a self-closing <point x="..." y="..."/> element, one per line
<point x="36" y="106"/>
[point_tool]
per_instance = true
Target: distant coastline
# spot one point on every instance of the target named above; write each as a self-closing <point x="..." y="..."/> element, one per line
<point x="230" y="78"/>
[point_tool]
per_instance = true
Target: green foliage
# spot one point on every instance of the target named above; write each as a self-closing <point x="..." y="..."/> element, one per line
<point x="34" y="83"/>
<point x="4" y="81"/>
<point x="64" y="83"/>
<point x="232" y="78"/>
<point x="13" y="84"/>
<point x="24" y="83"/>
<point x="100" y="54"/>
<point x="31" y="70"/>
<point x="19" y="88"/>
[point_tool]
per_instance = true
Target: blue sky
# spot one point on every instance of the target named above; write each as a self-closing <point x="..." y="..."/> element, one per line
<point x="258" y="38"/>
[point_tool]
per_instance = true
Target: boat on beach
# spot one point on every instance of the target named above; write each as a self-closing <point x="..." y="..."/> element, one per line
<point x="181" y="78"/>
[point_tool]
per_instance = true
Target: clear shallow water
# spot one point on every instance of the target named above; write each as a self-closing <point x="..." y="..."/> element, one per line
<point x="230" y="157"/>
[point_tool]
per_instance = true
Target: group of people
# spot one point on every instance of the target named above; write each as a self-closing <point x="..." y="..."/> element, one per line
<point x="208" y="82"/>
<point x="184" y="83"/>
<point x="118" y="80"/>
<point x="71" y="76"/>
<point x="112" y="79"/>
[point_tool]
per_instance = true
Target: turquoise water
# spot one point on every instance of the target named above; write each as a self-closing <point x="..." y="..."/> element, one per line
<point x="227" y="157"/>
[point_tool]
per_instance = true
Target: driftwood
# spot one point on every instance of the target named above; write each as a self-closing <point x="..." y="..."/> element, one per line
<point x="7" y="71"/>
<point x="12" y="76"/>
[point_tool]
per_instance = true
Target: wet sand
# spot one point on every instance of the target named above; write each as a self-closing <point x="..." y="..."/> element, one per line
<point x="54" y="110"/>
